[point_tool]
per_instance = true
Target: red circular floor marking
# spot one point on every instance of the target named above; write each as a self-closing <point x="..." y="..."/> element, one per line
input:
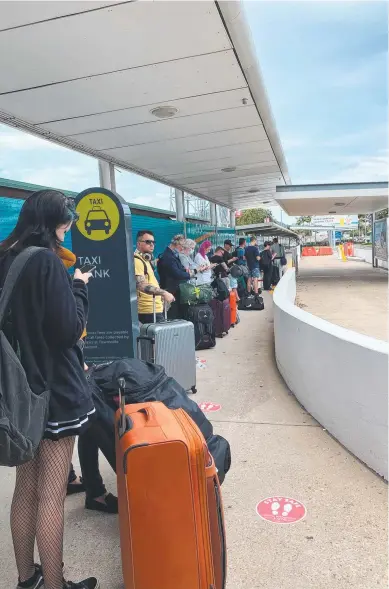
<point x="281" y="510"/>
<point x="208" y="406"/>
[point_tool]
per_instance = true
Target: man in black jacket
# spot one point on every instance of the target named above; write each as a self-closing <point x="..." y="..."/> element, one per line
<point x="172" y="273"/>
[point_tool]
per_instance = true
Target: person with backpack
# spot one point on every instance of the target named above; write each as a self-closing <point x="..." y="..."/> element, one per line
<point x="146" y="282"/>
<point x="46" y="317"/>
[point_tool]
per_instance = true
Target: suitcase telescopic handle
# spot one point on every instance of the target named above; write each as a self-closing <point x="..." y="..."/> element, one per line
<point x="155" y="308"/>
<point x="125" y="421"/>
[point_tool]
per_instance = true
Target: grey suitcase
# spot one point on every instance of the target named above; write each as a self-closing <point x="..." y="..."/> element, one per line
<point x="172" y="345"/>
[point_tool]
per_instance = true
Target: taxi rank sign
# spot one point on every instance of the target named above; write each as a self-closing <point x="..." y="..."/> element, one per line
<point x="102" y="237"/>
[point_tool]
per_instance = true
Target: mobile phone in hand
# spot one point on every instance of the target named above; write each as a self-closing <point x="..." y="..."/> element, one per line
<point x="87" y="268"/>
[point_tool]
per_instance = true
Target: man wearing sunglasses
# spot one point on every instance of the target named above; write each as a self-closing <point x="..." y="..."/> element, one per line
<point x="146" y="283"/>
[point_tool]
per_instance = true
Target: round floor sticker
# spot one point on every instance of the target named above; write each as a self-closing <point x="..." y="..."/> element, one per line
<point x="208" y="406"/>
<point x="281" y="510"/>
<point x="98" y="216"/>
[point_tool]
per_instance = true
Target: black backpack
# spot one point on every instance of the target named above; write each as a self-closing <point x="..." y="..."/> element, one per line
<point x="220" y="289"/>
<point x="23" y="415"/>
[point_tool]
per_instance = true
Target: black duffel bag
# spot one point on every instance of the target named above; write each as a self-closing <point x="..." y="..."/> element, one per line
<point x="251" y="302"/>
<point x="146" y="382"/>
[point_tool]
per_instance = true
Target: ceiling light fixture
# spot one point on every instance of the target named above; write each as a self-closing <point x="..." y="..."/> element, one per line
<point x="253" y="190"/>
<point x="266" y="202"/>
<point x="339" y="204"/>
<point x="332" y="212"/>
<point x="164" y="112"/>
<point x="229" y="169"/>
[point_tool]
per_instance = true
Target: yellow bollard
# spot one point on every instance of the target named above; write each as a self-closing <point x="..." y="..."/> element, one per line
<point x="344" y="259"/>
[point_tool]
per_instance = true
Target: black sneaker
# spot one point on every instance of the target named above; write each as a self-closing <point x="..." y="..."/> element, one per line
<point x="90" y="583"/>
<point x="35" y="582"/>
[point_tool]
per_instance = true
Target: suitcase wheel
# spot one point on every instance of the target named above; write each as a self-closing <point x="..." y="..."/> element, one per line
<point x="194" y="390"/>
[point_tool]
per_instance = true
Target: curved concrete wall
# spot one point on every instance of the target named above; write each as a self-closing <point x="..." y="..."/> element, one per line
<point x="338" y="375"/>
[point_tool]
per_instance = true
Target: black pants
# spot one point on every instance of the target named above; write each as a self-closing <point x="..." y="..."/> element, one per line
<point x="149" y="317"/>
<point x="96" y="437"/>
<point x="267" y="278"/>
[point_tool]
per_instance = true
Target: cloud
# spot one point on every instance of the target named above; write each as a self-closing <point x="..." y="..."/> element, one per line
<point x="376" y="133"/>
<point x="366" y="169"/>
<point x="65" y="177"/>
<point x="14" y="140"/>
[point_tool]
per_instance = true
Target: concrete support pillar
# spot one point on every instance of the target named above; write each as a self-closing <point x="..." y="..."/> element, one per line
<point x="213" y="211"/>
<point x="232" y="219"/>
<point x="107" y="175"/>
<point x="180" y="205"/>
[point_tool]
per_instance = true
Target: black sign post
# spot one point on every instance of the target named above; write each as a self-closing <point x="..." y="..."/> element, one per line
<point x="102" y="237"/>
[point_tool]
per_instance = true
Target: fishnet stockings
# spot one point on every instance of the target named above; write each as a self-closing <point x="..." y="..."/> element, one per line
<point x="37" y="510"/>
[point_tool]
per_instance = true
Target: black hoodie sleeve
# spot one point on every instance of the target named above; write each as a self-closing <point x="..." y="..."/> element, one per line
<point x="66" y="303"/>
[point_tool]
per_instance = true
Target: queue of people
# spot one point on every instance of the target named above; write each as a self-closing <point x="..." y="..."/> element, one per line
<point x="47" y="323"/>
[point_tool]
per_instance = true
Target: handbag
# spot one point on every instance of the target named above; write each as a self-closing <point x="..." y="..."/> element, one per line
<point x="190" y="294"/>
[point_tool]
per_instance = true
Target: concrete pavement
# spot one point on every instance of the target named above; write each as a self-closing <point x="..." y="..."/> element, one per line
<point x="277" y="449"/>
<point x="351" y="294"/>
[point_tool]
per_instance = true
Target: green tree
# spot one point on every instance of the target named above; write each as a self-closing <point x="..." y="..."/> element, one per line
<point x="303" y="220"/>
<point x="252" y="216"/>
<point x="382" y="214"/>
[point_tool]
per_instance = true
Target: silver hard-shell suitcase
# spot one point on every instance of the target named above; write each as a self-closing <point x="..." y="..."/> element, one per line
<point x="172" y="345"/>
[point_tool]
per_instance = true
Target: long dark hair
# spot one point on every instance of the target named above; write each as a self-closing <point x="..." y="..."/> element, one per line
<point x="41" y="214"/>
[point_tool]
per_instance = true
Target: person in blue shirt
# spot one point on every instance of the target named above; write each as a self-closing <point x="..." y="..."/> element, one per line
<point x="252" y="259"/>
<point x="240" y="252"/>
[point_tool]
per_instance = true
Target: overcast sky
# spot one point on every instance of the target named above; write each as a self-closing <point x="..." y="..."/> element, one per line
<point x="325" y="69"/>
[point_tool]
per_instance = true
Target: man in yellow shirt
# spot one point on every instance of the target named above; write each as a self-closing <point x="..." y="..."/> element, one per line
<point x="146" y="283"/>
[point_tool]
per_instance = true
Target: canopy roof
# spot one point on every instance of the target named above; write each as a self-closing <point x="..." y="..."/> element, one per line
<point x="93" y="76"/>
<point x="334" y="199"/>
<point x="269" y="229"/>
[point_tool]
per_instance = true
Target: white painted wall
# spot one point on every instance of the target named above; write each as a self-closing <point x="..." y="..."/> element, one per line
<point x="338" y="375"/>
<point x="365" y="253"/>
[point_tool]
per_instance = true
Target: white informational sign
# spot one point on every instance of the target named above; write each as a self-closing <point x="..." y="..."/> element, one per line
<point x="335" y="221"/>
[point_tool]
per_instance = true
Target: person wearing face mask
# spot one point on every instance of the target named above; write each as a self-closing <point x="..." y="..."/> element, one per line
<point x="186" y="257"/>
<point x="172" y="272"/>
<point x="47" y="317"/>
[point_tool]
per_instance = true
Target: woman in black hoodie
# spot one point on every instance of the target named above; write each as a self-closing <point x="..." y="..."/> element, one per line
<point x="48" y="314"/>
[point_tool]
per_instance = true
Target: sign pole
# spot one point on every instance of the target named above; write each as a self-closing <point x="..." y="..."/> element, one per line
<point x="102" y="238"/>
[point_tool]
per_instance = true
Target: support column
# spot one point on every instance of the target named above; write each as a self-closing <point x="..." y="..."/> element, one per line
<point x="372" y="241"/>
<point x="232" y="219"/>
<point x="107" y="175"/>
<point x="212" y="209"/>
<point x="180" y="205"/>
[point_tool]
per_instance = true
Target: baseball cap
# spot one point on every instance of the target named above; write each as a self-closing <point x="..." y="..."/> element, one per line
<point x="228" y="242"/>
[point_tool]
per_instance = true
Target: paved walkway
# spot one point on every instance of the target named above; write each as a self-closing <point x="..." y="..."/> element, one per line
<point x="277" y="449"/>
<point x="351" y="294"/>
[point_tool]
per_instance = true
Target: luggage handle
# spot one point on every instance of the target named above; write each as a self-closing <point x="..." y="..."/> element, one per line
<point x="125" y="421"/>
<point x="151" y="419"/>
<point x="155" y="309"/>
<point x="148" y="339"/>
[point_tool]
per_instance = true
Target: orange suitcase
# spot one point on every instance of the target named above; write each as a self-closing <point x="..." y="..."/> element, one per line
<point x="234" y="308"/>
<point x="170" y="508"/>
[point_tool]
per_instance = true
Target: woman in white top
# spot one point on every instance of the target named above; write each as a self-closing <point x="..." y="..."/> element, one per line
<point x="202" y="261"/>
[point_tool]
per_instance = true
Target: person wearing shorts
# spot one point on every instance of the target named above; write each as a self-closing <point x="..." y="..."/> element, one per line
<point x="253" y="258"/>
